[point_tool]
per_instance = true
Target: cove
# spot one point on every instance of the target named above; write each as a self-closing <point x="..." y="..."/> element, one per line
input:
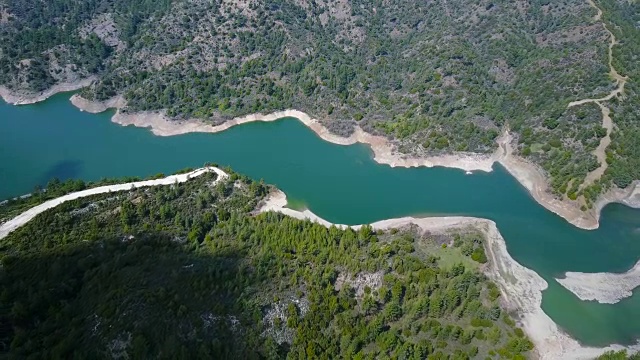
<point x="341" y="184"/>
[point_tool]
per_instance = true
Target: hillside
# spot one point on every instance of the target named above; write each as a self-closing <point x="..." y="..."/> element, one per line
<point x="190" y="270"/>
<point x="435" y="77"/>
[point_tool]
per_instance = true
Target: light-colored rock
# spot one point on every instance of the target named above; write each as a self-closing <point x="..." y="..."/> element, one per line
<point x="521" y="287"/>
<point x="26" y="216"/>
<point x="605" y="288"/>
<point x="17" y="98"/>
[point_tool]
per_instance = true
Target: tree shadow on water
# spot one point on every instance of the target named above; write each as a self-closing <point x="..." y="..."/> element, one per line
<point x="62" y="170"/>
<point x="148" y="297"/>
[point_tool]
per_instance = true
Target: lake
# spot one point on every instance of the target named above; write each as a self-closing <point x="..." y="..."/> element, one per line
<point x="341" y="184"/>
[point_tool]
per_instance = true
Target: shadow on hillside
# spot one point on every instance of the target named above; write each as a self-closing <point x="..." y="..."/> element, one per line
<point x="150" y="298"/>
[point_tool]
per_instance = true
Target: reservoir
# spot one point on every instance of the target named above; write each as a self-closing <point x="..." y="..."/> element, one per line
<point x="341" y="184"/>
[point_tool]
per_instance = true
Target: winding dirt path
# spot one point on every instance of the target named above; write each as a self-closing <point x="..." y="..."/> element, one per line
<point x="607" y="122"/>
<point x="521" y="287"/>
<point x="28" y="215"/>
<point x="598" y="16"/>
<point x="601" y="151"/>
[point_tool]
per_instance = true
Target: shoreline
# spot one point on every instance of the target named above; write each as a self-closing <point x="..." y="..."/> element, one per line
<point x="527" y="174"/>
<point x="605" y="288"/>
<point x="520" y="287"/>
<point x="383" y="150"/>
<point x="18" y="98"/>
<point x="629" y="197"/>
<point x="96" y="107"/>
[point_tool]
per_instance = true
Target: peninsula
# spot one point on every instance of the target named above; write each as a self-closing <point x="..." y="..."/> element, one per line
<point x="521" y="287"/>
<point x="546" y="89"/>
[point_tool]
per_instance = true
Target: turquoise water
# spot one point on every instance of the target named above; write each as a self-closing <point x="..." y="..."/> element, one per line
<point x="341" y="184"/>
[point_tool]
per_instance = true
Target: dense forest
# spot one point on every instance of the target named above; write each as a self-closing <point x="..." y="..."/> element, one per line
<point x="623" y="155"/>
<point x="192" y="271"/>
<point x="618" y="355"/>
<point x="55" y="188"/>
<point x="434" y="77"/>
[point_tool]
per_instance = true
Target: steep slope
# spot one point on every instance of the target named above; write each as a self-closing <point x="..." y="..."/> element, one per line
<point x="189" y="270"/>
<point x="436" y="77"/>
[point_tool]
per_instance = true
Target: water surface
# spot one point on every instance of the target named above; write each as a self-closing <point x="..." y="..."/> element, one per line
<point x="341" y="184"/>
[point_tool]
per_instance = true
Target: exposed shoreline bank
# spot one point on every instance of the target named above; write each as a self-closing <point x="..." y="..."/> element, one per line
<point x="532" y="177"/>
<point x="18" y="98"/>
<point x="384" y="153"/>
<point x="521" y="287"/>
<point x="528" y="174"/>
<point x="605" y="288"/>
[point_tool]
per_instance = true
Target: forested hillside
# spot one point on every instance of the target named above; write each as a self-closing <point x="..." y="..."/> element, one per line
<point x="624" y="153"/>
<point x="190" y="271"/>
<point x="434" y="76"/>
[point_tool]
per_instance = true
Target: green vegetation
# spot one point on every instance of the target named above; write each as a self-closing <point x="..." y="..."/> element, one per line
<point x="53" y="189"/>
<point x="56" y="188"/>
<point x="623" y="155"/>
<point x="563" y="146"/>
<point x="434" y="77"/>
<point x="43" y="42"/>
<point x="618" y="355"/>
<point x="189" y="271"/>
